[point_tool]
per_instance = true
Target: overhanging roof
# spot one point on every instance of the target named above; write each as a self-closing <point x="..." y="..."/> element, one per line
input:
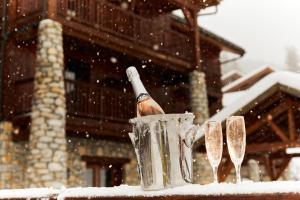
<point x="211" y="37"/>
<point x="248" y="80"/>
<point x="288" y="82"/>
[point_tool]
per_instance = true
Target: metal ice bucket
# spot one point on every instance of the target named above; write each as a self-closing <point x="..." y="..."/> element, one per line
<point x="163" y="146"/>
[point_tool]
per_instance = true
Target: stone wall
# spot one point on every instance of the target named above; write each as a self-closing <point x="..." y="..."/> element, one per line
<point x="198" y="96"/>
<point x="6" y="161"/>
<point x="78" y="147"/>
<point x="201" y="169"/>
<point x="12" y="158"/>
<point x="47" y="143"/>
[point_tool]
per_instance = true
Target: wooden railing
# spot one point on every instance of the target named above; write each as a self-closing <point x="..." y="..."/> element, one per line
<point x="84" y="100"/>
<point x="150" y="32"/>
<point x="26" y="8"/>
<point x="90" y="101"/>
<point x="155" y="33"/>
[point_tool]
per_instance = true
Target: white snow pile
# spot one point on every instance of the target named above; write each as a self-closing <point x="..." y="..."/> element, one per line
<point x="289" y="79"/>
<point x="193" y="189"/>
<point x="28" y="193"/>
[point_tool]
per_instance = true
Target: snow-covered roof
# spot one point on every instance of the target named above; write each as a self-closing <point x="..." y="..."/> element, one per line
<point x="192" y="189"/>
<point x="230" y="97"/>
<point x="212" y="37"/>
<point x="245" y="78"/>
<point x="289" y="81"/>
<point x="230" y="73"/>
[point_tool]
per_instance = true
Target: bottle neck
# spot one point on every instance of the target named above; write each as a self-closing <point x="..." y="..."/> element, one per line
<point x="138" y="87"/>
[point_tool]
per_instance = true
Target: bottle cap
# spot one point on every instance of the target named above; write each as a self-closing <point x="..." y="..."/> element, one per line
<point x="131" y="73"/>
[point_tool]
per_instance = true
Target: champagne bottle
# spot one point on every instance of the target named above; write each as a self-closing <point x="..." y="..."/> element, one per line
<point x="145" y="104"/>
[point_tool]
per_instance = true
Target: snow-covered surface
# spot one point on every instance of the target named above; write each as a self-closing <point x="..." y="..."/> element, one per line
<point x="246" y="77"/>
<point x="28" y="193"/>
<point x="284" y="78"/>
<point x="230" y="73"/>
<point x="194" y="189"/>
<point x="133" y="191"/>
<point x="293" y="150"/>
<point x="230" y="97"/>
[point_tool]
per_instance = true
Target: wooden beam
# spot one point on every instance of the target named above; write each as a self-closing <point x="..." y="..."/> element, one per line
<point x="12" y="14"/>
<point x="52" y="9"/>
<point x="264" y="119"/>
<point x="269" y="166"/>
<point x="291" y="125"/>
<point x="197" y="52"/>
<point x="109" y="41"/>
<point x="188" y="16"/>
<point x="270" y="147"/>
<point x="187" y="4"/>
<point x="283" y="166"/>
<point x="277" y="130"/>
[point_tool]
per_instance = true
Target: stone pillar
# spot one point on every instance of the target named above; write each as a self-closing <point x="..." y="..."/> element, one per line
<point x="47" y="142"/>
<point x="198" y="96"/>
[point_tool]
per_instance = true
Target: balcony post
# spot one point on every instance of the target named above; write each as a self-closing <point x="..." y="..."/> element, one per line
<point x="52" y="9"/>
<point x="197" y="53"/>
<point x="198" y="90"/>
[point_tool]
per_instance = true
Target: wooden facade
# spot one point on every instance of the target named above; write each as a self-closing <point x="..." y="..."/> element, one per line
<point x="272" y="121"/>
<point x="101" y="39"/>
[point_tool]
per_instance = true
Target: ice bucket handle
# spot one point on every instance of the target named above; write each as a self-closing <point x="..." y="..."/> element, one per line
<point x="190" y="135"/>
<point x="134" y="141"/>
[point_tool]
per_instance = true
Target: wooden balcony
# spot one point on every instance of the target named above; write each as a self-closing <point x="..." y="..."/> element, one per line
<point x="91" y="110"/>
<point x="112" y="26"/>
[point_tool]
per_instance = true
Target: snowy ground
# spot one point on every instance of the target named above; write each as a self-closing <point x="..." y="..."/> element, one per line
<point x="131" y="191"/>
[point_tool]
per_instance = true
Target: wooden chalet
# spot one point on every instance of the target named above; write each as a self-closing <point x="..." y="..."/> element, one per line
<point x="271" y="110"/>
<point x="101" y="38"/>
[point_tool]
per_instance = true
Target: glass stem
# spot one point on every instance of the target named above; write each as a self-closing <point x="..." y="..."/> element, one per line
<point x="215" y="172"/>
<point x="238" y="173"/>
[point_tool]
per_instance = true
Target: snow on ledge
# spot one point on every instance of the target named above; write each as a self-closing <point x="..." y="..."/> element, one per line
<point x="277" y="187"/>
<point x="193" y="189"/>
<point x="28" y="193"/>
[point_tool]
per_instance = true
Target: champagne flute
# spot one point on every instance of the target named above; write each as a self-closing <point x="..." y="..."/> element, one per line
<point x="236" y="142"/>
<point x="214" y="145"/>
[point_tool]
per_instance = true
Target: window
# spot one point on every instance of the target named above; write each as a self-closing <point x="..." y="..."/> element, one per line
<point x="104" y="171"/>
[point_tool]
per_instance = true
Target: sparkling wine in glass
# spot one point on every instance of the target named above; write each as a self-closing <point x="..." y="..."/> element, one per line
<point x="214" y="145"/>
<point x="236" y="142"/>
